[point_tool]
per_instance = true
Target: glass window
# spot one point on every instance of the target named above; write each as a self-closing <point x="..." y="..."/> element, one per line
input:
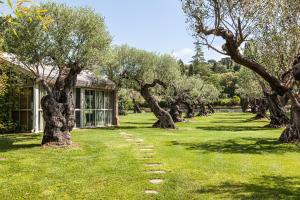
<point x="99" y="118"/>
<point x="99" y="100"/>
<point x="25" y="120"/>
<point x="16" y="116"/>
<point x="23" y="98"/>
<point x="98" y="108"/>
<point x="78" y="118"/>
<point x="78" y="100"/>
<point x="89" y="118"/>
<point x="89" y="99"/>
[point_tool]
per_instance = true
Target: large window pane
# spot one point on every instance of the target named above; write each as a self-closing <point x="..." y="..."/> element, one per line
<point x="99" y="100"/>
<point x="78" y="118"/>
<point x="16" y="116"/>
<point x="106" y="100"/>
<point x="23" y="98"/>
<point x="78" y="100"/>
<point x="89" y="118"/>
<point x="89" y="99"/>
<point x="99" y="118"/>
<point x="29" y="98"/>
<point x="26" y="120"/>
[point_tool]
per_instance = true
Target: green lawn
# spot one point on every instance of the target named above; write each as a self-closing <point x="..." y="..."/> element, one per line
<point x="225" y="156"/>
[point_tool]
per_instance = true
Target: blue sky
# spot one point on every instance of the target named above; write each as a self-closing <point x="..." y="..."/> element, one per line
<point x="153" y="25"/>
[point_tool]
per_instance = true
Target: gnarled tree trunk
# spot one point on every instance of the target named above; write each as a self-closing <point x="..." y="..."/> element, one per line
<point x="175" y="112"/>
<point x="245" y="104"/>
<point x="58" y="109"/>
<point x="292" y="132"/>
<point x="189" y="110"/>
<point x="211" y="109"/>
<point x="164" y="118"/>
<point x="261" y="109"/>
<point x="202" y="110"/>
<point x="253" y="105"/>
<point x="277" y="115"/>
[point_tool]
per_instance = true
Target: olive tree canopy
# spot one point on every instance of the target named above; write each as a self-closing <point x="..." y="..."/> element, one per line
<point x="240" y="21"/>
<point x="76" y="40"/>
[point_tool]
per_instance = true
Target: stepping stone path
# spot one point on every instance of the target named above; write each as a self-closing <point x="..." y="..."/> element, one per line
<point x="153" y="164"/>
<point x="151" y="192"/>
<point x="2" y="159"/>
<point x="148" y="151"/>
<point x="156" y="172"/>
<point x="156" y="181"/>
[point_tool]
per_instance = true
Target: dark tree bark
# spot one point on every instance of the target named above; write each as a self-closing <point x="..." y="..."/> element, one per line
<point x="175" y="112"/>
<point x="164" y="118"/>
<point x="292" y="132"/>
<point x="277" y="115"/>
<point x="58" y="108"/>
<point x="202" y="110"/>
<point x="245" y="104"/>
<point x="136" y="107"/>
<point x="253" y="105"/>
<point x="211" y="109"/>
<point x="261" y="109"/>
<point x="189" y="110"/>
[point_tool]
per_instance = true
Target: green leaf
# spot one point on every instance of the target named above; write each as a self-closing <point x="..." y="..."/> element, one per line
<point x="15" y="32"/>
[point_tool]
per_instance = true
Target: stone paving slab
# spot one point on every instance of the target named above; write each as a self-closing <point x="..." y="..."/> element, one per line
<point x="156" y="172"/>
<point x="151" y="192"/>
<point x="153" y="164"/>
<point x="156" y="181"/>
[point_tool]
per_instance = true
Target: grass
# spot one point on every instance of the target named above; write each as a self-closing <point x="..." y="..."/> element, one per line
<point x="225" y="156"/>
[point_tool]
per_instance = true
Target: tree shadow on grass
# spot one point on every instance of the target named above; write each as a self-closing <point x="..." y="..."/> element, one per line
<point x="136" y="123"/>
<point x="122" y="128"/>
<point x="234" y="128"/>
<point x="238" y="120"/>
<point x="265" y="187"/>
<point x="241" y="146"/>
<point x="8" y="142"/>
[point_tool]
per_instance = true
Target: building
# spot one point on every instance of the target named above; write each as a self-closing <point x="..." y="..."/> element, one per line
<point x="95" y="99"/>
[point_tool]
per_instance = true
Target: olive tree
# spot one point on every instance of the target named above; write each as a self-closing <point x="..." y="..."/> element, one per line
<point x="238" y="21"/>
<point x="145" y="71"/>
<point x="270" y="49"/>
<point x="192" y="92"/>
<point x="76" y="40"/>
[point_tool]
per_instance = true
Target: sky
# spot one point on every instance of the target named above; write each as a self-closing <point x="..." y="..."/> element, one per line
<point x="153" y="25"/>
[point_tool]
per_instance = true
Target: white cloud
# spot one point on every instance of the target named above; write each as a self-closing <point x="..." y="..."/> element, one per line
<point x="184" y="54"/>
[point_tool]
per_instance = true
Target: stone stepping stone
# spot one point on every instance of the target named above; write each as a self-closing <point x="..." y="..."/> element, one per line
<point x="148" y="153"/>
<point x="156" y="172"/>
<point x="3" y="159"/>
<point x="147" y="149"/>
<point x="153" y="164"/>
<point x="151" y="192"/>
<point x="148" y="157"/>
<point x="156" y="181"/>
